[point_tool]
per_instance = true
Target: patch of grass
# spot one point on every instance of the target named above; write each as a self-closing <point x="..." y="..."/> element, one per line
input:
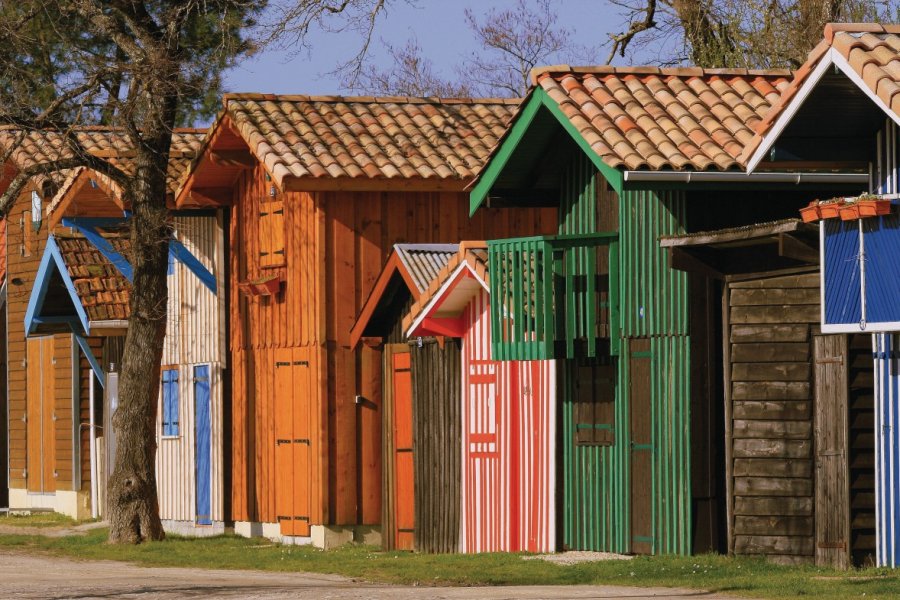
<point x="736" y="576"/>
<point x="38" y="519"/>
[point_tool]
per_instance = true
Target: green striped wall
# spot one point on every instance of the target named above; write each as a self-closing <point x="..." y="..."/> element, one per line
<point x="654" y="304"/>
<point x="578" y="202"/>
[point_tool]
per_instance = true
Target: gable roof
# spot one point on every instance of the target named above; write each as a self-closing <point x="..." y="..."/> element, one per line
<point x="185" y="145"/>
<point x="867" y="53"/>
<point x="446" y="293"/>
<point x="329" y="140"/>
<point x="410" y="268"/>
<point x="657" y="118"/>
<point x="39" y="147"/>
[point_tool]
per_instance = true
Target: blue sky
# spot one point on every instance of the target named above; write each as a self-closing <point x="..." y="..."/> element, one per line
<point x="440" y="28"/>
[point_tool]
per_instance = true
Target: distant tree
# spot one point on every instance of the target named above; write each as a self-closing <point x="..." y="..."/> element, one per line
<point x="738" y="33"/>
<point x="511" y="42"/>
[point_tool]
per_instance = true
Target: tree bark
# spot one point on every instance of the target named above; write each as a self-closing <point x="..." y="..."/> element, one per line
<point x="133" y="503"/>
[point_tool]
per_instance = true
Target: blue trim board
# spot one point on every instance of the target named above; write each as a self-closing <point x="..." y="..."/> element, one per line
<point x="78" y="222"/>
<point x="52" y="258"/>
<point x="95" y="364"/>
<point x="104" y="247"/>
<point x="184" y="256"/>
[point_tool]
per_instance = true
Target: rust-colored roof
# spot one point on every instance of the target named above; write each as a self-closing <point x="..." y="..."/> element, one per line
<point x="873" y="52"/>
<point x="473" y="253"/>
<point x="660" y="118"/>
<point x="39" y="147"/>
<point x="321" y="137"/>
<point x="102" y="289"/>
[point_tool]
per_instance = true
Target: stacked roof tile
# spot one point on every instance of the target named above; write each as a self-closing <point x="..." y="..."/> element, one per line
<point x="423" y="262"/>
<point x="680" y="118"/>
<point x="366" y="137"/>
<point x="102" y="289"/>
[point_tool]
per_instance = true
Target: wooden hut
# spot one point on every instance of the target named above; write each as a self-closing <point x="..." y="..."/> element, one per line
<point x="69" y="335"/>
<point x="849" y="74"/>
<point x="318" y="189"/>
<point x="628" y="156"/>
<point x="508" y="414"/>
<point x="420" y="406"/>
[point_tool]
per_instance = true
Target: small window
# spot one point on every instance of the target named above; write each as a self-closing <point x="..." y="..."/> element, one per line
<point x="271" y="234"/>
<point x="594" y="396"/>
<point x="36" y="213"/>
<point x="27" y="234"/>
<point x="170" y="403"/>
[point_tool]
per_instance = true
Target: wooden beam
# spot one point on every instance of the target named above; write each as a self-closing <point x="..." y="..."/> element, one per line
<point x="241" y="159"/>
<point x="791" y="246"/>
<point x="369" y="184"/>
<point x="682" y="260"/>
<point x="216" y="197"/>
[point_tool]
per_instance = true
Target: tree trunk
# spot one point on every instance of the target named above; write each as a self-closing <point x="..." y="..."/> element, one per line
<point x="133" y="503"/>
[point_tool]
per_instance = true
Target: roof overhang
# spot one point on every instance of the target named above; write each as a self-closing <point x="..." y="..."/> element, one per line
<point x="441" y="315"/>
<point x="831" y="59"/>
<point x="534" y="126"/>
<point x="796" y="178"/>
<point x="54" y="305"/>
<point x="383" y="291"/>
<point x="756" y="248"/>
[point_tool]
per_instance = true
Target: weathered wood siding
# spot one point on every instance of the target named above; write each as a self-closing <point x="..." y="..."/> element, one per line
<point x="334" y="247"/>
<point x="195" y="335"/>
<point x="508" y="470"/>
<point x="769" y="395"/>
<point x="436" y="437"/>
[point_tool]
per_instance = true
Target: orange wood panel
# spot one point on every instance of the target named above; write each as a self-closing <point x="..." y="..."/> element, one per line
<point x="303" y="385"/>
<point x="404" y="468"/>
<point x="48" y="414"/>
<point x="35" y="414"/>
<point x="370" y="454"/>
<point x="284" y="439"/>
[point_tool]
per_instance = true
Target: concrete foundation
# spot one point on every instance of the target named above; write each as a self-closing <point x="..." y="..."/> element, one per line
<point x="190" y="529"/>
<point x="321" y="536"/>
<point x="76" y="505"/>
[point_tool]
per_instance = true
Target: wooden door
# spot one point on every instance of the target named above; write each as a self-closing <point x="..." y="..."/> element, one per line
<point x="404" y="468"/>
<point x="641" y="446"/>
<point x="831" y="432"/>
<point x="293" y="401"/>
<point x="41" y="432"/>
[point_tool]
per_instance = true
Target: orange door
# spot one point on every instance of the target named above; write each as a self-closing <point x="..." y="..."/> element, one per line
<point x="404" y="492"/>
<point x="41" y="432"/>
<point x="293" y="399"/>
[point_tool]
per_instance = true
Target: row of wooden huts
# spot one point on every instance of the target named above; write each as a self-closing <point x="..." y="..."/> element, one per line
<point x="587" y="320"/>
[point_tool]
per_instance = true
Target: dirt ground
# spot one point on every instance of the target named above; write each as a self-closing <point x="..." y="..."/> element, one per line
<point x="32" y="576"/>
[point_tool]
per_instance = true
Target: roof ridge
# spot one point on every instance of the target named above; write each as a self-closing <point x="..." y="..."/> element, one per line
<point x="366" y="99"/>
<point x="832" y="28"/>
<point x="537" y="72"/>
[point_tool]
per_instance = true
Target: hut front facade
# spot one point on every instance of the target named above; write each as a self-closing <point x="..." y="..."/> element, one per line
<point x="308" y="235"/>
<point x="507" y="413"/>
<point x="420" y="406"/>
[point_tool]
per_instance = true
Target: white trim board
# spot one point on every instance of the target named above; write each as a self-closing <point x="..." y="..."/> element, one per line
<point x="829" y="59"/>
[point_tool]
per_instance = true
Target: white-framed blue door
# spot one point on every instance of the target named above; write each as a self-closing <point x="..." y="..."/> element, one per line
<point x="202" y="445"/>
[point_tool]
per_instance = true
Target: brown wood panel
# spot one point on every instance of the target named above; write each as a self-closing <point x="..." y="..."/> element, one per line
<point x="831" y="452"/>
<point x="639" y="397"/>
<point x="769" y="379"/>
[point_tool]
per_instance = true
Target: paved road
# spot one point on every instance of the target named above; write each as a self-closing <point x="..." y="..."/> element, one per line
<point x="31" y="576"/>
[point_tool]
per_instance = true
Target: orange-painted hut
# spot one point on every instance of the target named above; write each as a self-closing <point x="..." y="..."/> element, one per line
<point x="319" y="189"/>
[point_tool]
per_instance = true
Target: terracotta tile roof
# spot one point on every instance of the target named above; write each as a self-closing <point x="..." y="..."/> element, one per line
<point x="38" y="147"/>
<point x="873" y="52"/>
<point x="473" y="253"/>
<point x="102" y="289"/>
<point x="423" y="262"/>
<point x="652" y="118"/>
<point x="323" y="137"/>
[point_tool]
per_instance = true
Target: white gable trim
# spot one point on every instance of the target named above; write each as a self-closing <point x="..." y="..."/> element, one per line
<point x="439" y="295"/>
<point x="788" y="113"/>
<point x="832" y="57"/>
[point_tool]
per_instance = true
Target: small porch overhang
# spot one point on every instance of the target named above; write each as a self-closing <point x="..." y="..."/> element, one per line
<point x="763" y="247"/>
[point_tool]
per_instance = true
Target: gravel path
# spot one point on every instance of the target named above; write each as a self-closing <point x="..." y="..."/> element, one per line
<point x="34" y="576"/>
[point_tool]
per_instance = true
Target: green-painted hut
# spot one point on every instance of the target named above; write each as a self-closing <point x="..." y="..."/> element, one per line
<point x="629" y="156"/>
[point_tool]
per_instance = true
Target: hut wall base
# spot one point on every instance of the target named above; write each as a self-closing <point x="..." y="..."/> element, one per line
<point x="190" y="529"/>
<point x="76" y="505"/>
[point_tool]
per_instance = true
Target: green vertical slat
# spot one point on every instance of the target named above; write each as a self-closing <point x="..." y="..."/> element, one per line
<point x="515" y="274"/>
<point x="590" y="318"/>
<point x="570" y="303"/>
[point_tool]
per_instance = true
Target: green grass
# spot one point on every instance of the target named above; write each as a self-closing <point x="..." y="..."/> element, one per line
<point x="38" y="519"/>
<point x="736" y="576"/>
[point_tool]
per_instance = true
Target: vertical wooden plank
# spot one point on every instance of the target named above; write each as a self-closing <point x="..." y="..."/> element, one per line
<point x="831" y="431"/>
<point x="389" y="510"/>
<point x="303" y="401"/>
<point x="370" y="455"/>
<point x="283" y="396"/>
<point x="34" y="416"/>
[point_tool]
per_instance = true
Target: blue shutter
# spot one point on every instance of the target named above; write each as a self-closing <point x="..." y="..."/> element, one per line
<point x="203" y="444"/>
<point x="170" y="402"/>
